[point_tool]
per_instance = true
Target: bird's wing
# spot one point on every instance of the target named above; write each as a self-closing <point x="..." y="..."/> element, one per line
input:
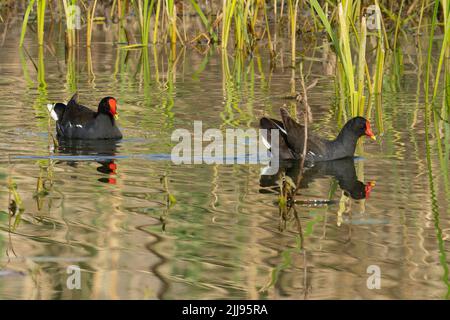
<point x="77" y="114"/>
<point x="295" y="133"/>
<point x="271" y="124"/>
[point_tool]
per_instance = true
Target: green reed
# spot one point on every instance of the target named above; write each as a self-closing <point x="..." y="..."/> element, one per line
<point x="172" y="17"/>
<point x="354" y="77"/>
<point x="69" y="12"/>
<point x="344" y="13"/>
<point x="241" y="20"/>
<point x="157" y="16"/>
<point x="293" y="8"/>
<point x="25" y="22"/>
<point x="227" y="12"/>
<point x="342" y="47"/>
<point x="211" y="33"/>
<point x="237" y="19"/>
<point x="90" y="22"/>
<point x="145" y="9"/>
<point x="41" y="4"/>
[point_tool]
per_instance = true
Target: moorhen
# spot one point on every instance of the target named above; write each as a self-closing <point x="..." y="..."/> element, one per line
<point x="74" y="121"/>
<point x="291" y="139"/>
<point x="342" y="170"/>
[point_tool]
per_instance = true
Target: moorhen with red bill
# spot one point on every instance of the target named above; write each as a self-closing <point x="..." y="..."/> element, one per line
<point x="292" y="137"/>
<point x="75" y="121"/>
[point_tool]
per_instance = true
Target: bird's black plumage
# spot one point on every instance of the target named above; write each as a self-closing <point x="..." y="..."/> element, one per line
<point x="75" y="121"/>
<point x="343" y="170"/>
<point x="292" y="138"/>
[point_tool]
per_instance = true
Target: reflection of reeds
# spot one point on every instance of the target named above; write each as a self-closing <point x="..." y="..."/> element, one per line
<point x="430" y="104"/>
<point x="41" y="69"/>
<point x="436" y="214"/>
<point x="71" y="72"/>
<point x="90" y="67"/>
<point x="431" y="111"/>
<point x="23" y="63"/>
<point x="41" y="99"/>
<point x="15" y="204"/>
<point x="170" y="200"/>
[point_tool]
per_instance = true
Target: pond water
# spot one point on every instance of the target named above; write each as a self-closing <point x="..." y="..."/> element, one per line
<point x="105" y="208"/>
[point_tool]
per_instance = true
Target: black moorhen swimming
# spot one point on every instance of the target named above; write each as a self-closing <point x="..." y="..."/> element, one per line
<point x="342" y="170"/>
<point x="318" y="149"/>
<point x="76" y="121"/>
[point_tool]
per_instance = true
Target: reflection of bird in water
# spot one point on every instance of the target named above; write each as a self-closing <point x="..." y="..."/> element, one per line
<point x="342" y="170"/>
<point x="99" y="150"/>
<point x="292" y="136"/>
<point x="109" y="168"/>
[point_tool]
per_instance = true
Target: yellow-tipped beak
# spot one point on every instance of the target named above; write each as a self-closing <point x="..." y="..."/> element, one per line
<point x="374" y="138"/>
<point x="116" y="116"/>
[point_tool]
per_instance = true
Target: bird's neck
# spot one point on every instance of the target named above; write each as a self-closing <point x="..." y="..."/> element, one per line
<point x="346" y="142"/>
<point x="102" y="115"/>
